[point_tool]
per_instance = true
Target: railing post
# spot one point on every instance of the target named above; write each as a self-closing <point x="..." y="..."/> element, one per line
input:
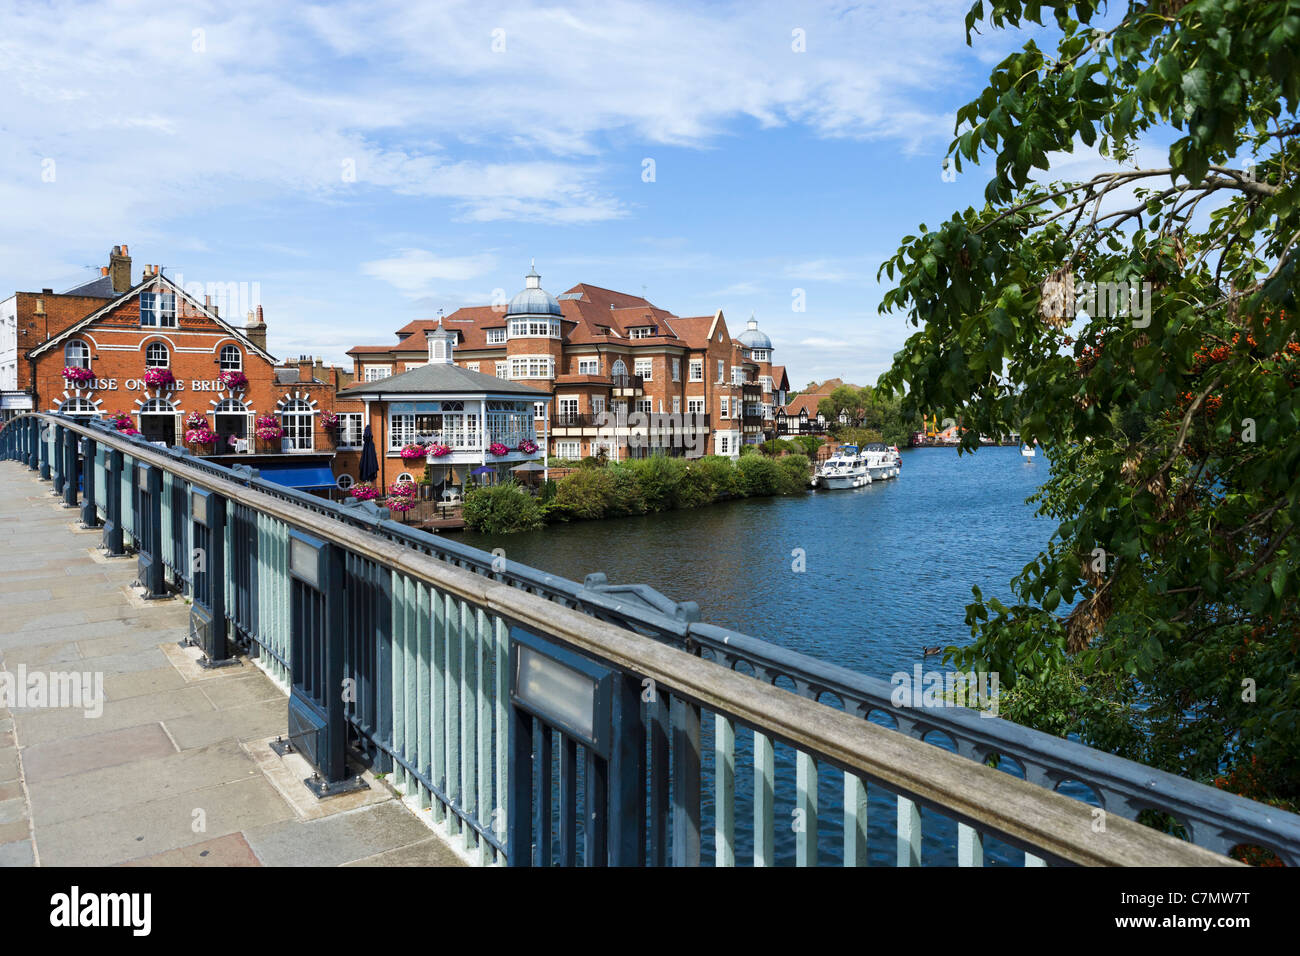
<point x="69" y="468"/>
<point x="113" y="506"/>
<point x="43" y="448"/>
<point x="627" y="780"/>
<point x="54" y="457"/>
<point x="148" y="529"/>
<point x="89" y="516"/>
<point x="34" y="443"/>
<point x="519" y="813"/>
<point x="207" y="573"/>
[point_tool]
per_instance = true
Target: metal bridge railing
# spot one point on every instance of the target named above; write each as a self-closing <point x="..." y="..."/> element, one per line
<point x="426" y="658"/>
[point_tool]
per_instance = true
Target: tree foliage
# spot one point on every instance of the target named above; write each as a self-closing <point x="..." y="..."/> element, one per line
<point x="1170" y="415"/>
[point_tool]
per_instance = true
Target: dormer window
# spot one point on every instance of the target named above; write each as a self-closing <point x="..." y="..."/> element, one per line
<point x="496" y="336"/>
<point x="158" y="309"/>
<point x="643" y="332"/>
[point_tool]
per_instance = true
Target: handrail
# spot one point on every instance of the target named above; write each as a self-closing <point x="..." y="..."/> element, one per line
<point x="1214" y="818"/>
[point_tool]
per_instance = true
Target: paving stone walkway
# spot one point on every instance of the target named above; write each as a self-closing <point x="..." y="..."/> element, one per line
<point x="176" y="770"/>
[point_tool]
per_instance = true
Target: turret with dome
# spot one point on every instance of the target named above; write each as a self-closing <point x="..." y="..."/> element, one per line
<point x="533" y="299"/>
<point x="752" y="338"/>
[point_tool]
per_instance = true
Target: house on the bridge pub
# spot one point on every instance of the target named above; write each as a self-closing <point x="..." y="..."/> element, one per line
<point x="152" y="351"/>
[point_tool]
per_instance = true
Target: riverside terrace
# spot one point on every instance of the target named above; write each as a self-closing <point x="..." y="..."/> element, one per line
<point x="475" y="685"/>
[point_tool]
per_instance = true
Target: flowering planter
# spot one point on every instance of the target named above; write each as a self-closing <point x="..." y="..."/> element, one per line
<point x="528" y="446"/>
<point x="159" y="377"/>
<point x="235" y="381"/>
<point x="412" y="452"/>
<point x="78" y="376"/>
<point x="439" y="450"/>
<point x="498" y="449"/>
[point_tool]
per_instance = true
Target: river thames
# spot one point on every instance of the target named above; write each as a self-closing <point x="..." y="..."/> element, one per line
<point x="888" y="570"/>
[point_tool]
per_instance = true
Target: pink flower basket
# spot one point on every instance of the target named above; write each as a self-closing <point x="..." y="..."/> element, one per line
<point x="363" y="492"/>
<point x="438" y="450"/>
<point x="528" y="446"/>
<point x="159" y="377"/>
<point x="496" y="448"/>
<point x="413" y="451"/>
<point x="80" y="376"/>
<point x="236" y="381"/>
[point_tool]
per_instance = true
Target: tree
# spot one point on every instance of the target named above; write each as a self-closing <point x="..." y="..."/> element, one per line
<point x="1141" y="325"/>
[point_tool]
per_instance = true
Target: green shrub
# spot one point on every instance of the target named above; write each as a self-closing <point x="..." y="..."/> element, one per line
<point x="810" y="444"/>
<point x="748" y="450"/>
<point x="795" y="469"/>
<point x="586" y="494"/>
<point x="658" y="478"/>
<point x="760" y="476"/>
<point x="723" y="477"/>
<point x="695" y="488"/>
<point x="501" y="509"/>
<point x="627" y="497"/>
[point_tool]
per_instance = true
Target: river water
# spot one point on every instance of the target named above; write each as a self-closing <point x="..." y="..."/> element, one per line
<point x="888" y="569"/>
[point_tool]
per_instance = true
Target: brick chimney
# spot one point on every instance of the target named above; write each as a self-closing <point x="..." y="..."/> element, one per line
<point x="256" y="329"/>
<point x="305" y="368"/>
<point x="119" y="267"/>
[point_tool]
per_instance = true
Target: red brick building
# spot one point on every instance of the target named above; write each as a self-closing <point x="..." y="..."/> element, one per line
<point x="609" y="363"/>
<point x="154" y="352"/>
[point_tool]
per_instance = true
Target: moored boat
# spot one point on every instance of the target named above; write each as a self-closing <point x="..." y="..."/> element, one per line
<point x="845" y="469"/>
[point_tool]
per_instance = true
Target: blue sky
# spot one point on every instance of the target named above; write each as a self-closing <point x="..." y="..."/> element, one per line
<point x="482" y="135"/>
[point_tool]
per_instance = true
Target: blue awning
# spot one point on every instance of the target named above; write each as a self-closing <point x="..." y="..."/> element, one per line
<point x="298" y="476"/>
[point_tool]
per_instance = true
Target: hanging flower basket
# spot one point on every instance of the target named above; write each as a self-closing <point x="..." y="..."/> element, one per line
<point x="268" y="429"/>
<point x="528" y="446"/>
<point x="121" y="421"/>
<point x="401" y="496"/>
<point x="363" y="492"/>
<point x="236" y="381"/>
<point x="204" y="437"/>
<point x="159" y="377"/>
<point x="329" y="421"/>
<point x="80" y="376"/>
<point x="410" y="452"/>
<point x="438" y="449"/>
<point x="496" y="448"/>
<point x="195" y="420"/>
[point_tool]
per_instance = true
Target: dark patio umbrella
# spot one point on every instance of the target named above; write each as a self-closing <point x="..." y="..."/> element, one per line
<point x="483" y="470"/>
<point x="369" y="468"/>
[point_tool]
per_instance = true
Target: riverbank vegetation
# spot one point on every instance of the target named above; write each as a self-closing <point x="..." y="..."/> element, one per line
<point x="1154" y="355"/>
<point x="640" y="486"/>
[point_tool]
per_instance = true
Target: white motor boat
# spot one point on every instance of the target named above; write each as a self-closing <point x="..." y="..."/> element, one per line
<point x="882" y="461"/>
<point x="844" y="469"/>
<point x="1028" y="451"/>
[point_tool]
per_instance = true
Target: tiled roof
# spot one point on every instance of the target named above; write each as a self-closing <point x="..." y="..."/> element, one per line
<point x="430" y="379"/>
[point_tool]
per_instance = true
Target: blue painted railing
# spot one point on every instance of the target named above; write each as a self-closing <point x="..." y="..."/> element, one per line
<point x="429" y="626"/>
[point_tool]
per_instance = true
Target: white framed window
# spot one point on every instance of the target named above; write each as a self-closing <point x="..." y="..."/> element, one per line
<point x="76" y="354"/>
<point x="642" y="332"/>
<point x="503" y="369"/>
<point x="534" y="328"/>
<point x="532" y="366"/>
<point x="539" y="409"/>
<point x="344" y="482"/>
<point x="597" y="404"/>
<point x="350" y="430"/>
<point x="722" y="371"/>
<point x="645" y="405"/>
<point x="677" y="370"/>
<point x="568" y="408"/>
<point x="496" y="336"/>
<point x="762" y="355"/>
<point x="697" y="370"/>
<point x="645" y="368"/>
<point x="158" y="309"/>
<point x="472" y="366"/>
<point x="677" y="404"/>
<point x="589" y="366"/>
<point x="156" y="356"/>
<point x="568" y="449"/>
<point x="296" y="420"/>
<point x="619" y="370"/>
<point x="232" y="360"/>
<point x="737" y="375"/>
<point x="407" y="366"/>
<point x="724" y="445"/>
<point x="78" y="406"/>
<point x="695" y="406"/>
<point x="724" y="405"/>
<point x="376" y="373"/>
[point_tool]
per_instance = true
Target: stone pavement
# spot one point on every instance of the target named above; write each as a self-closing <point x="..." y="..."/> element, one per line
<point x="177" y="769"/>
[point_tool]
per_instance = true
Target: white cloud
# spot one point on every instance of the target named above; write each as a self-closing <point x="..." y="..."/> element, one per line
<point x="415" y="271"/>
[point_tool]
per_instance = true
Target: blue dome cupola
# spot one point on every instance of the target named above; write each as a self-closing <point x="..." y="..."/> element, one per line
<point x="752" y="338"/>
<point x="533" y="299"/>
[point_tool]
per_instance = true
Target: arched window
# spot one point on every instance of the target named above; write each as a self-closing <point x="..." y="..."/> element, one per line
<point x="78" y="406"/>
<point x="230" y="420"/>
<point x="157" y="406"/>
<point x="231" y="359"/>
<point x="155" y="356"/>
<point x="296" y="420"/>
<point x="619" y="370"/>
<point x="158" y="421"/>
<point x="76" y="354"/>
<point x="344" y="482"/>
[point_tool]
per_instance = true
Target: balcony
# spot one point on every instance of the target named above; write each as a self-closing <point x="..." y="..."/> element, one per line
<point x="628" y="386"/>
